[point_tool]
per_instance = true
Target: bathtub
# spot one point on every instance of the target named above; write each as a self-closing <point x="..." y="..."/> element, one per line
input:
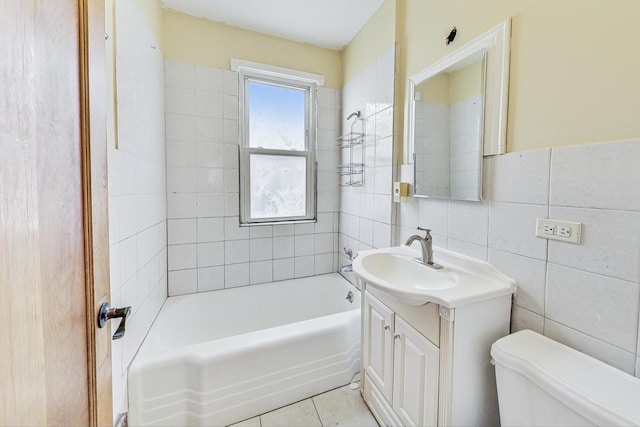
<point x="220" y="357"/>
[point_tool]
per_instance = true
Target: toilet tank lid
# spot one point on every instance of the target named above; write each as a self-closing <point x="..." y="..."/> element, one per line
<point x="600" y="392"/>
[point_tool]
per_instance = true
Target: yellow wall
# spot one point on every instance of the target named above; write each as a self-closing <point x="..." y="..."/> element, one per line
<point x="376" y="36"/>
<point x="574" y="63"/>
<point x="200" y="41"/>
<point x="465" y="83"/>
<point x="435" y="90"/>
<point x="153" y="14"/>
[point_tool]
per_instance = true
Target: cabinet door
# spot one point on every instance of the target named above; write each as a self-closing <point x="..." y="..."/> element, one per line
<point x="415" y="376"/>
<point x="377" y="356"/>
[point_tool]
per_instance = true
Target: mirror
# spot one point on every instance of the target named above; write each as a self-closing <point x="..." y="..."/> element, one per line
<point x="456" y="114"/>
<point x="447" y="139"/>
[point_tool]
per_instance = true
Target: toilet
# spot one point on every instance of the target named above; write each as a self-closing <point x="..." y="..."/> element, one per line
<point x="544" y="383"/>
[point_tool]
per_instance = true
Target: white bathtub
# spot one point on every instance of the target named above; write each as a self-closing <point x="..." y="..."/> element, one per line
<point x="220" y="357"/>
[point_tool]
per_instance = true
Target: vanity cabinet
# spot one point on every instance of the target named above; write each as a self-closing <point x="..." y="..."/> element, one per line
<point x="411" y="374"/>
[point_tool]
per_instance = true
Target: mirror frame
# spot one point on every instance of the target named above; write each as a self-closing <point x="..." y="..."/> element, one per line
<point x="496" y="41"/>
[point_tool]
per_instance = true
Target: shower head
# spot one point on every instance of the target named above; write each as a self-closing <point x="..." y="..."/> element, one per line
<point x="355" y="113"/>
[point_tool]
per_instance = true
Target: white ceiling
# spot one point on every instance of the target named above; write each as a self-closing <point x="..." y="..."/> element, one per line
<point x="327" y="23"/>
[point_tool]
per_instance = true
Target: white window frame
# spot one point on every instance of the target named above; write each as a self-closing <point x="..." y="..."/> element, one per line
<point x="246" y="75"/>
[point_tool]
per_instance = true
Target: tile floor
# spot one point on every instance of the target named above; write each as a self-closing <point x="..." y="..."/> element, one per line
<point x="340" y="407"/>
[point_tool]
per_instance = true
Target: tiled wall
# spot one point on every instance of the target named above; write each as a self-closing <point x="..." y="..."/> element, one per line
<point x="431" y="148"/>
<point x="208" y="250"/>
<point x="447" y="146"/>
<point x="464" y="131"/>
<point x="366" y="212"/>
<point x="137" y="195"/>
<point x="586" y="296"/>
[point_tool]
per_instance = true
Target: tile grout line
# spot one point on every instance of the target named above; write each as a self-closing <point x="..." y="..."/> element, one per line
<point x="316" y="409"/>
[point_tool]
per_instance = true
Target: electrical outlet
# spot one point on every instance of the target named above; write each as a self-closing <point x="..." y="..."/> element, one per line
<point x="564" y="231"/>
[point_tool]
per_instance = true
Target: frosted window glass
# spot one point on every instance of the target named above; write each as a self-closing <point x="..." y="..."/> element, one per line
<point x="276" y="117"/>
<point x="278" y="186"/>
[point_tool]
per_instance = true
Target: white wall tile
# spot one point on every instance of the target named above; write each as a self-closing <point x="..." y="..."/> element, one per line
<point x="211" y="254"/>
<point x="596" y="176"/>
<point x="207" y="78"/>
<point x="609" y="242"/>
<point x="381" y="235"/>
<point x="233" y="231"/>
<point x="261" y="249"/>
<point x="209" y="155"/>
<point x="532" y="171"/>
<point x="210" y="205"/>
<point x="324" y="243"/>
<point x="210" y="279"/>
<point x="283" y="230"/>
<point x="308" y="228"/>
<point x="209" y="180"/>
<point x="593" y="347"/>
<point x="283" y="247"/>
<point x="180" y="127"/>
<point x="210" y="229"/>
<point x="181" y="205"/>
<point x="260" y="231"/>
<point x="283" y="269"/>
<point x="128" y="258"/>
<point x="181" y="231"/>
<point x="180" y="100"/>
<point x="208" y="103"/>
<point x="179" y="74"/>
<point x="236" y="251"/>
<point x="260" y="272"/>
<point x="181" y="179"/>
<point x="575" y="299"/>
<point x="182" y="257"/>
<point x="512" y="228"/>
<point x="304" y="266"/>
<point x="183" y="282"/>
<point x="529" y="274"/>
<point x="382" y="208"/>
<point x="181" y="153"/>
<point x="366" y="231"/>
<point x="236" y="275"/>
<point x="323" y="263"/>
<point x="467" y="248"/>
<point x="304" y="245"/>
<point x="433" y="214"/>
<point x="521" y="319"/>
<point x="209" y="130"/>
<point x="469" y="222"/>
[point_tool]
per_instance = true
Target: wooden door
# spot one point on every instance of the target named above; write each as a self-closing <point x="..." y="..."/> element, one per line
<point x="377" y="352"/>
<point x="415" y="377"/>
<point x="54" y="362"/>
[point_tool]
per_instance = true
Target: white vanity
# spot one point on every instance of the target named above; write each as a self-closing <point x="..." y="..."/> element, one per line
<point x="426" y="337"/>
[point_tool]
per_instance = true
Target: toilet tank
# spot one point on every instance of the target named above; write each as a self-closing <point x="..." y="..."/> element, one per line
<point x="544" y="383"/>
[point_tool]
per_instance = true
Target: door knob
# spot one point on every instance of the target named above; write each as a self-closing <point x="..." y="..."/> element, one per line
<point x="107" y="313"/>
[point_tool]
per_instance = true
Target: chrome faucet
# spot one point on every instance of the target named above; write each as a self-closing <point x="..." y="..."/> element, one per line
<point x="427" y="249"/>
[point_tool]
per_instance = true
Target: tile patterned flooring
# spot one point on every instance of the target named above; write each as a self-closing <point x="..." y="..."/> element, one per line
<point x="340" y="407"/>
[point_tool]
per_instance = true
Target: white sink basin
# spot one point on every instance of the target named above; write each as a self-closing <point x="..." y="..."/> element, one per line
<point x="396" y="268"/>
<point x="461" y="281"/>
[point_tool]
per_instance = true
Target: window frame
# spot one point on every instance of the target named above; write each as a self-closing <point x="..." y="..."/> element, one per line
<point x="245" y="77"/>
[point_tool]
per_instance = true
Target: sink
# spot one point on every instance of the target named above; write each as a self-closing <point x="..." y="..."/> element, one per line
<point x="390" y="267"/>
<point x="398" y="272"/>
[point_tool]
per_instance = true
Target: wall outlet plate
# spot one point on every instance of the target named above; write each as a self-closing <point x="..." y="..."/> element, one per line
<point x="554" y="229"/>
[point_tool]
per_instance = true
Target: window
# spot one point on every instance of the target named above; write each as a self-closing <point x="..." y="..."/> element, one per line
<point x="277" y="158"/>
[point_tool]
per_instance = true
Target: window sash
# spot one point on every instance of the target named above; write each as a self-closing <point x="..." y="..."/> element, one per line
<point x="246" y="151"/>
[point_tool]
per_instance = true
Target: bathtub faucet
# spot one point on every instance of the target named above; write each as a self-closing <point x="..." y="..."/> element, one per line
<point x="426" y="247"/>
<point x="348" y="268"/>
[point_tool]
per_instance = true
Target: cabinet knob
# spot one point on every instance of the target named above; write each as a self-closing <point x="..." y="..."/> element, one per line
<point x="387" y="327"/>
<point x="396" y="336"/>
